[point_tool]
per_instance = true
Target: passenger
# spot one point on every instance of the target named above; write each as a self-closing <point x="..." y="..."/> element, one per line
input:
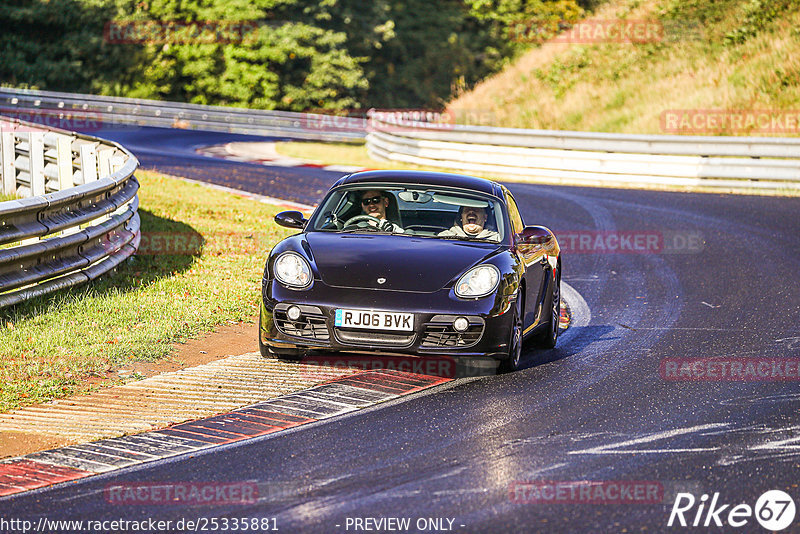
<point x="472" y="224"/>
<point x="374" y="204"/>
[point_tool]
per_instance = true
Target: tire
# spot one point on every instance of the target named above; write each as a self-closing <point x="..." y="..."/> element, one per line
<point x="548" y="338"/>
<point x="289" y="355"/>
<point x="513" y="361"/>
<point x="286" y="355"/>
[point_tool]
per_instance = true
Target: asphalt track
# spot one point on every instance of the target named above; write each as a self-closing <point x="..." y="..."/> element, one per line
<point x="173" y="152"/>
<point x="596" y="408"/>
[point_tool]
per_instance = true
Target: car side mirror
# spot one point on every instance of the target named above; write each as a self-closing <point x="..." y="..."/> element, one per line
<point x="534" y="235"/>
<point x="290" y="219"/>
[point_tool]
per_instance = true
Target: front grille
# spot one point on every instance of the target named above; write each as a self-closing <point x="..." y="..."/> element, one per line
<point x="310" y="324"/>
<point x="374" y="338"/>
<point x="439" y="332"/>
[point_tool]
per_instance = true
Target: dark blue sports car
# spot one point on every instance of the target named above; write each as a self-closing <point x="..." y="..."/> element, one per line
<point x="407" y="262"/>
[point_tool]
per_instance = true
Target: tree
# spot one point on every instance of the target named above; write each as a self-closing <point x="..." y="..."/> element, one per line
<point x="59" y="44"/>
<point x="289" y="54"/>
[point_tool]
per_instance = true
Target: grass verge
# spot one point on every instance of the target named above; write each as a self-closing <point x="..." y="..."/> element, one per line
<point x="218" y="242"/>
<point x="711" y="55"/>
<point x="340" y="154"/>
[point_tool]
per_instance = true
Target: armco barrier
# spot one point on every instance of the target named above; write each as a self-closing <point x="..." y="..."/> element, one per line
<point x="59" y="109"/>
<point x="75" y="216"/>
<point x="728" y="162"/>
<point x="557" y="156"/>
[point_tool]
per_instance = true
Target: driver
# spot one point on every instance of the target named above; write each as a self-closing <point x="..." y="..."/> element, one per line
<point x="374" y="204"/>
<point x="472" y="224"/>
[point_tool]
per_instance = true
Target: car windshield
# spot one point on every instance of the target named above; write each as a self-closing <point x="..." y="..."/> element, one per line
<point x="423" y="211"/>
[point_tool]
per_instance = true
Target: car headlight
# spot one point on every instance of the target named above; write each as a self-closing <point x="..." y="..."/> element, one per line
<point x="478" y="282"/>
<point x="292" y="270"/>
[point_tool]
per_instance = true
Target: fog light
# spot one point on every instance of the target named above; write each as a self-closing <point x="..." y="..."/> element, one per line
<point x="461" y="324"/>
<point x="293" y="313"/>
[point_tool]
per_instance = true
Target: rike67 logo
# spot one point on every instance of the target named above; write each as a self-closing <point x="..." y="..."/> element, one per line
<point x="774" y="510"/>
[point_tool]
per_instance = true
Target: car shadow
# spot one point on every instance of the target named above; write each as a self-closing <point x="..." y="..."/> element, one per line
<point x="450" y="367"/>
<point x="150" y="264"/>
<point x="582" y="337"/>
<point x="453" y="367"/>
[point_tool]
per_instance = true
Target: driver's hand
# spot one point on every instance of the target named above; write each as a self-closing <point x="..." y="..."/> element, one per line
<point x="331" y="221"/>
<point x="385" y="226"/>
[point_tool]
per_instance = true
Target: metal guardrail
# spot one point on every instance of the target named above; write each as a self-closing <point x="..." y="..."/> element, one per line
<point x="558" y="156"/>
<point x="53" y="109"/>
<point x="76" y="216"/>
<point x="751" y="162"/>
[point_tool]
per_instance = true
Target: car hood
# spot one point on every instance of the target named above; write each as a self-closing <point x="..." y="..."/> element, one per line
<point x="407" y="263"/>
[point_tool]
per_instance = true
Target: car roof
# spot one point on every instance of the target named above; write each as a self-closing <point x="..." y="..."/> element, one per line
<point x="423" y="178"/>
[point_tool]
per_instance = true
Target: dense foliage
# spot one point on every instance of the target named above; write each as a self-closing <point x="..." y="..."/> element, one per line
<point x="293" y="54"/>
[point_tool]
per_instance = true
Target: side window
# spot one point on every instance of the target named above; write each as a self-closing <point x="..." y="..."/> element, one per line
<point x="513" y="213"/>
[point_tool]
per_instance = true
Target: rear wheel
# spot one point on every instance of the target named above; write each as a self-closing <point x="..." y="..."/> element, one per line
<point x="514" y="359"/>
<point x="548" y="338"/>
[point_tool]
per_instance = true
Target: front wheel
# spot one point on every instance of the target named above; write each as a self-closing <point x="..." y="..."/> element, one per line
<point x="514" y="359"/>
<point x="286" y="355"/>
<point x="548" y="338"/>
<point x="290" y="355"/>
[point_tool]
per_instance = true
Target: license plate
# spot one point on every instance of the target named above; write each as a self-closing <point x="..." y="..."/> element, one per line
<point x="374" y="320"/>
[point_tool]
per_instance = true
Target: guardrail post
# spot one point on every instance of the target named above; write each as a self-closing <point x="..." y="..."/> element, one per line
<point x="64" y="162"/>
<point x="37" y="163"/>
<point x="8" y="156"/>
<point x="104" y="163"/>
<point x="104" y="170"/>
<point x="116" y="163"/>
<point x="88" y="163"/>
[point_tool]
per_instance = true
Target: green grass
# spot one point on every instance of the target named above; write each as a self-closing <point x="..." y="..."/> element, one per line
<point x="340" y="154"/>
<point x="354" y="154"/>
<point x="51" y="345"/>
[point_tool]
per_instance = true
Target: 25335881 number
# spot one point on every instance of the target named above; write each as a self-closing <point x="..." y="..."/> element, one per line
<point x="237" y="524"/>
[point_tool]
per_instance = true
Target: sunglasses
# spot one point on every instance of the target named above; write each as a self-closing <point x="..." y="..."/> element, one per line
<point x="371" y="200"/>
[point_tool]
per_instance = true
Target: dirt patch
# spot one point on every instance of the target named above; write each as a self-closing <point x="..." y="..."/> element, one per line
<point x="19" y="443"/>
<point x="225" y="340"/>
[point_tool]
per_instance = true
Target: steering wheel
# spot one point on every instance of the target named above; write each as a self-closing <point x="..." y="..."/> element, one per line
<point x="359" y="218"/>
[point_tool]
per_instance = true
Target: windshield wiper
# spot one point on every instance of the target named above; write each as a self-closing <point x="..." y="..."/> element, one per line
<point x="361" y="229"/>
<point x="464" y="238"/>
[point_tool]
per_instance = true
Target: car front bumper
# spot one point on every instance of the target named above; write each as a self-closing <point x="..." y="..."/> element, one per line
<point x="433" y="332"/>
